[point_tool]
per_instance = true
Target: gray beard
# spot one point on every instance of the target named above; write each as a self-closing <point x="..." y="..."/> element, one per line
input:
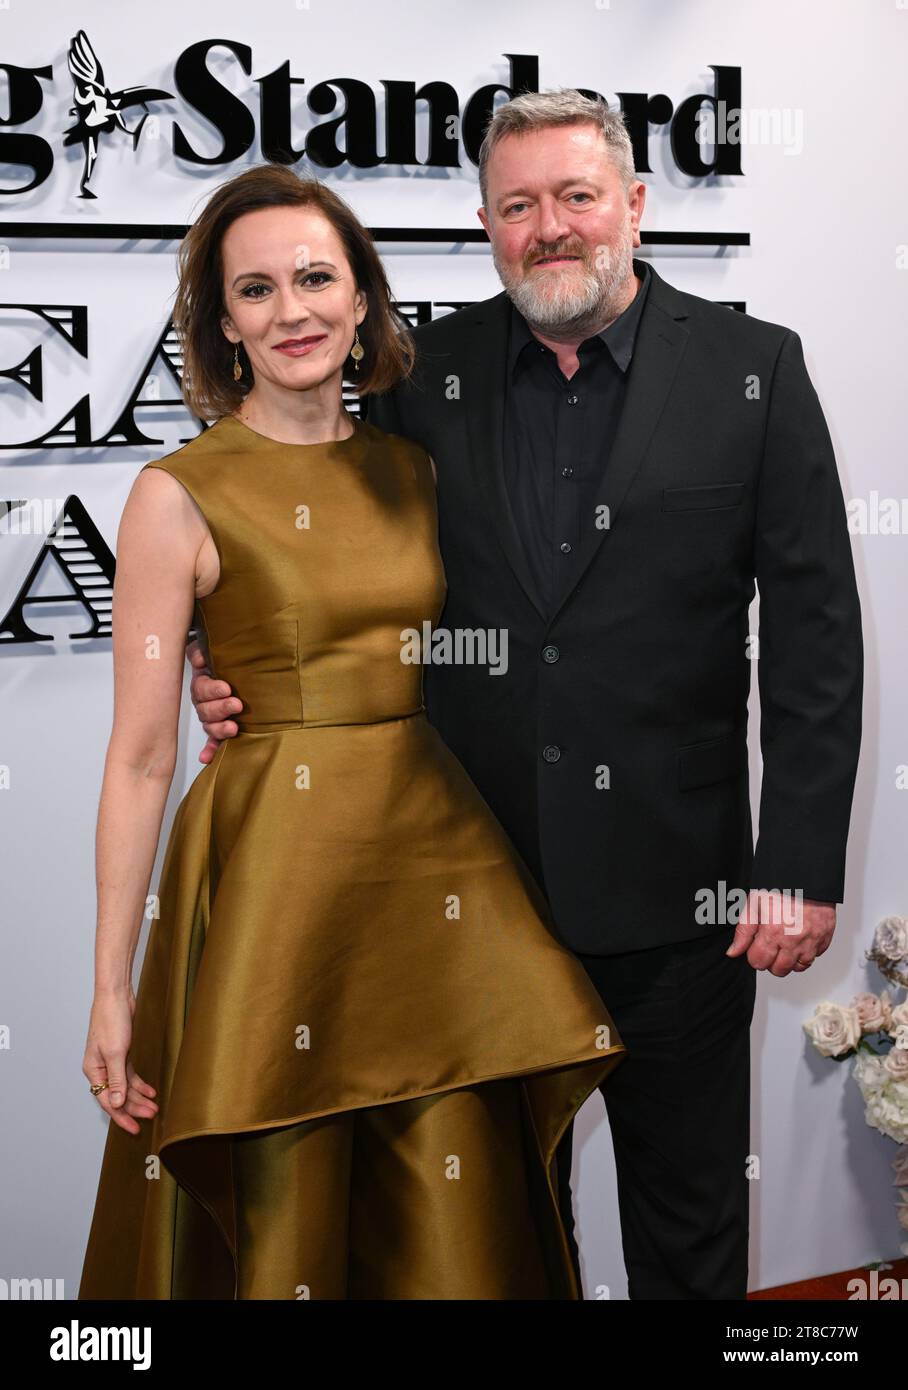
<point x="577" y="309"/>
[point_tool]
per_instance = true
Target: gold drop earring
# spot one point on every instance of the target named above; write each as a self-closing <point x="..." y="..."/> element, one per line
<point x="237" y="369"/>
<point x="357" y="352"/>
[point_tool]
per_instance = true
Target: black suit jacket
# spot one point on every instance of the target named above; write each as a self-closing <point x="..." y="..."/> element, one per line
<point x="617" y="760"/>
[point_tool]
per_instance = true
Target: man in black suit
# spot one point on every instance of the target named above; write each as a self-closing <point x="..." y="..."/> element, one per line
<point x="617" y="464"/>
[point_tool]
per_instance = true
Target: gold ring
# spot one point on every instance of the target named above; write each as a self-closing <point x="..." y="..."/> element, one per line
<point x="98" y="1087"/>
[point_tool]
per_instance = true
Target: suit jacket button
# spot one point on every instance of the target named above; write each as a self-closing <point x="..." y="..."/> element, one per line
<point x="551" y="752"/>
<point x="550" y="654"/>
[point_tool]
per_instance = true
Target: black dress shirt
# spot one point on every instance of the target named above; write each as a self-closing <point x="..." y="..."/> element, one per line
<point x="558" y="435"/>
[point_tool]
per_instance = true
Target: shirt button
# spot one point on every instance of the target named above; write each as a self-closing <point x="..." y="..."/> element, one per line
<point x="567" y="472"/>
<point x="565" y="547"/>
<point x="550" y="654"/>
<point x="551" y="753"/>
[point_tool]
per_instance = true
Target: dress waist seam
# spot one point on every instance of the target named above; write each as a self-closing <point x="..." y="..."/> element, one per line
<point x="339" y="724"/>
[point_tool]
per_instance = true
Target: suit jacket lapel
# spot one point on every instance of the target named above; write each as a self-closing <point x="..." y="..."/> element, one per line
<point x="483" y="390"/>
<point x="661" y="339"/>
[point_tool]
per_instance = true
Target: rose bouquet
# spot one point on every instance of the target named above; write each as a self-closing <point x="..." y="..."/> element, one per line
<point x="873" y="1030"/>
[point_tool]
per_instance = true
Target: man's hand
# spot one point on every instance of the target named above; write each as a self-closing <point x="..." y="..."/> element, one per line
<point x="782" y="932"/>
<point x="213" y="702"/>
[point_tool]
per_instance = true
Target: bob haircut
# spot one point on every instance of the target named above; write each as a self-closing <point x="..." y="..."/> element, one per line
<point x="208" y="386"/>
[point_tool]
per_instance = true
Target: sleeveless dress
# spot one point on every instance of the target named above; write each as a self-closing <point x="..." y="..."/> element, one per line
<point x="365" y="1035"/>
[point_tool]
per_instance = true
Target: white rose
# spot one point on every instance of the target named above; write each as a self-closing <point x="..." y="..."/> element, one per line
<point x="833" y="1030"/>
<point x="898" y="1016"/>
<point x="872" y="1010"/>
<point x="896" y="1062"/>
<point x="900" y="1037"/>
<point x="891" y="938"/>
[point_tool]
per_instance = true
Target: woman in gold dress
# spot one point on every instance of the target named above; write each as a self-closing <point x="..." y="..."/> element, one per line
<point x="356" y="1039"/>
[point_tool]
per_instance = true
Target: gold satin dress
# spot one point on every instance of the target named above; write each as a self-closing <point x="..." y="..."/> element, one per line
<point x="365" y="1036"/>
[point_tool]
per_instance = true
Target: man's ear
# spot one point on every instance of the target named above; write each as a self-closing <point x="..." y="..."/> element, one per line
<point x="484" y="219"/>
<point x="636" y="201"/>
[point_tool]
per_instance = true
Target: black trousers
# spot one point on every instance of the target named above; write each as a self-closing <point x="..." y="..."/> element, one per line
<point x="679" y="1109"/>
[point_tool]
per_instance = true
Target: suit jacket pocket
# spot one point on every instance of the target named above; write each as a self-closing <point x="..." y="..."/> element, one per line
<point x="713" y="760"/>
<point x="709" y="495"/>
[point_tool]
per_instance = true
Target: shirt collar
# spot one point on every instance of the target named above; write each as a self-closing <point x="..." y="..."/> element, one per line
<point x="619" y="337"/>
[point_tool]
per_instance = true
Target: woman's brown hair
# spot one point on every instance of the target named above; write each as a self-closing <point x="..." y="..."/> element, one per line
<point x="208" y="386"/>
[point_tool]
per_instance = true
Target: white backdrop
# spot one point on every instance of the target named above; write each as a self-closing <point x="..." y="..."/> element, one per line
<point x="827" y="214"/>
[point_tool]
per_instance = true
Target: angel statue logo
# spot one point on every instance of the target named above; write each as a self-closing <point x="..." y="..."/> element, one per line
<point x="99" y="110"/>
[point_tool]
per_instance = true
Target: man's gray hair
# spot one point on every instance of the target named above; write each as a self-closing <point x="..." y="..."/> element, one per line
<point x="564" y="106"/>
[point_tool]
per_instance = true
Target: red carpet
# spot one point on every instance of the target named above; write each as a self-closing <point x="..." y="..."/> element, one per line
<point x="833" y="1287"/>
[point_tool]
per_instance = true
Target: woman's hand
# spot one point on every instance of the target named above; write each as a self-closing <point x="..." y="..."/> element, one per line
<point x="127" y="1098"/>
